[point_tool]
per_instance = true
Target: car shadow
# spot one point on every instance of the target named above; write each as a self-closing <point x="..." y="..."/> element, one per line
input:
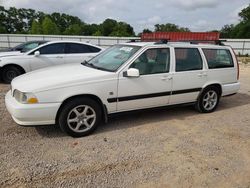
<point x="127" y="120"/>
<point x="50" y="131"/>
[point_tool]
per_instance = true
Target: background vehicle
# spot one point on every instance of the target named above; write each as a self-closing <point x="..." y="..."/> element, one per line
<point x="48" y="54"/>
<point x="21" y="48"/>
<point x="125" y="77"/>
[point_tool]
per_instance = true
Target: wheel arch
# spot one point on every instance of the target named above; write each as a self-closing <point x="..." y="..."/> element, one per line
<point x="217" y="85"/>
<point x="91" y="96"/>
<point x="14" y="65"/>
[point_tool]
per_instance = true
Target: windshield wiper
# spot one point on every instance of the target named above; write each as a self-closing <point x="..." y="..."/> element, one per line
<point x="93" y="66"/>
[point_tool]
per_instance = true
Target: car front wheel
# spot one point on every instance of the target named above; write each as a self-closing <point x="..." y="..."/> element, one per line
<point x="80" y="117"/>
<point x="9" y="73"/>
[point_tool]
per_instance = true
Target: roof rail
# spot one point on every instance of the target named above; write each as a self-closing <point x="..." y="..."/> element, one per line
<point x="220" y="42"/>
<point x="162" y="41"/>
<point x="134" y="40"/>
<point x="216" y="42"/>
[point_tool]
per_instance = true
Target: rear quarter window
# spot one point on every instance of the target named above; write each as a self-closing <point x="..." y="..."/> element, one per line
<point x="218" y="58"/>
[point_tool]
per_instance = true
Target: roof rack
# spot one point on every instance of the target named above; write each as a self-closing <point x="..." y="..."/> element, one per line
<point x="166" y="41"/>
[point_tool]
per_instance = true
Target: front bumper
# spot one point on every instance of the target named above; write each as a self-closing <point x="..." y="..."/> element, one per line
<point x="31" y="114"/>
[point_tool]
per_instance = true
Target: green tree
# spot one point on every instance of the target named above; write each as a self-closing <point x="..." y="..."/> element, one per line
<point x="169" y="27"/>
<point x="245" y="14"/>
<point x="240" y="30"/>
<point x="36" y="28"/>
<point x="3" y="20"/>
<point x="64" y="21"/>
<point x="146" y="31"/>
<point x="108" y="26"/>
<point x="90" y="29"/>
<point x="74" y="29"/>
<point x="226" y="31"/>
<point x="122" y="29"/>
<point x="49" y="27"/>
<point x="97" y="33"/>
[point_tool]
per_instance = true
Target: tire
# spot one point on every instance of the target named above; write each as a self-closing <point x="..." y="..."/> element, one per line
<point x="9" y="73"/>
<point x="80" y="117"/>
<point x="208" y="100"/>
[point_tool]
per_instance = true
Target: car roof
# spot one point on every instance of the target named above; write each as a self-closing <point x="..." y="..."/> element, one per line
<point x="173" y="44"/>
<point x="69" y="41"/>
<point x="63" y="41"/>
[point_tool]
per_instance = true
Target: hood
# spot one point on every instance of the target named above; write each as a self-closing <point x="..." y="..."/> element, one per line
<point x="59" y="76"/>
<point x="11" y="53"/>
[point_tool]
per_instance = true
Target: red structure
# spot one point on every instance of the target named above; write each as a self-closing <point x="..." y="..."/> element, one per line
<point x="181" y="36"/>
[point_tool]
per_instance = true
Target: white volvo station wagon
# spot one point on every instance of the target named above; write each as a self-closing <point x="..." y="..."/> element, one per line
<point x="125" y="77"/>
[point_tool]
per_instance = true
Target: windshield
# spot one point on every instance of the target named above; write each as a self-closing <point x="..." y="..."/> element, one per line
<point x="112" y="58"/>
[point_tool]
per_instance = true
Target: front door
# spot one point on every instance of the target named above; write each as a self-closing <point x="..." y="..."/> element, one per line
<point x="152" y="88"/>
<point x="50" y="55"/>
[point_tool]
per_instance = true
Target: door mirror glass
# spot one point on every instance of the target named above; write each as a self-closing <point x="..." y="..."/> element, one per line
<point x="132" y="72"/>
<point x="37" y="53"/>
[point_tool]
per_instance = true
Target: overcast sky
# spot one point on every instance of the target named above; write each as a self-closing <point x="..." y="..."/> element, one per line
<point x="198" y="15"/>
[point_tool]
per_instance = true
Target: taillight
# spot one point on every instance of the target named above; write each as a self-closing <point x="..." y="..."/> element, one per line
<point x="238" y="67"/>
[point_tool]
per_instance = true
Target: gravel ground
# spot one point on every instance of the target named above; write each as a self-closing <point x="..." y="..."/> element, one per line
<point x="176" y="147"/>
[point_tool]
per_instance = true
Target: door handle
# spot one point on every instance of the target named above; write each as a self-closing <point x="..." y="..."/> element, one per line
<point x="169" y="77"/>
<point x="163" y="78"/>
<point x="200" y="74"/>
<point x="59" y="56"/>
<point x="166" y="78"/>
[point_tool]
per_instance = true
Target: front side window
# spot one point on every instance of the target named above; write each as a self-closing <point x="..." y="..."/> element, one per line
<point x="153" y="61"/>
<point x="52" y="49"/>
<point x="187" y="59"/>
<point x="218" y="58"/>
<point x="112" y="58"/>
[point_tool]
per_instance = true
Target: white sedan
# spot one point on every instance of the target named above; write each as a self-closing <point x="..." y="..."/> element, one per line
<point x="49" y="54"/>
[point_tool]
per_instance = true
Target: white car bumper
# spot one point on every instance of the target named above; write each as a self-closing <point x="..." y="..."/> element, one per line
<point x="31" y="114"/>
<point x="229" y="89"/>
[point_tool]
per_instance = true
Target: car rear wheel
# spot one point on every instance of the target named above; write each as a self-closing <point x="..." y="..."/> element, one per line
<point x="9" y="73"/>
<point x="208" y="100"/>
<point x="80" y="117"/>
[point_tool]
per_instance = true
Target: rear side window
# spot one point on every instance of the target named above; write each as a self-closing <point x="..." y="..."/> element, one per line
<point x="187" y="59"/>
<point x="218" y="58"/>
<point x="80" y="48"/>
<point x="94" y="49"/>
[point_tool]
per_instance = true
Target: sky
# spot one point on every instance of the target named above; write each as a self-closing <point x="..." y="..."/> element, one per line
<point x="197" y="15"/>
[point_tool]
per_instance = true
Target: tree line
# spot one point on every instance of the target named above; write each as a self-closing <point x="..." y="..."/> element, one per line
<point x="29" y="21"/>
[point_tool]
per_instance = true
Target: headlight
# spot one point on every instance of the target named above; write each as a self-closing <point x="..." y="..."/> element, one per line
<point x="25" y="98"/>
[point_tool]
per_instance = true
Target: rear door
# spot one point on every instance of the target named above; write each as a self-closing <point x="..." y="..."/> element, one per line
<point x="77" y="53"/>
<point x="50" y="55"/>
<point x="189" y="76"/>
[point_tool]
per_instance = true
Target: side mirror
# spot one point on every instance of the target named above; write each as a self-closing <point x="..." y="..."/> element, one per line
<point x="131" y="72"/>
<point x="37" y="53"/>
